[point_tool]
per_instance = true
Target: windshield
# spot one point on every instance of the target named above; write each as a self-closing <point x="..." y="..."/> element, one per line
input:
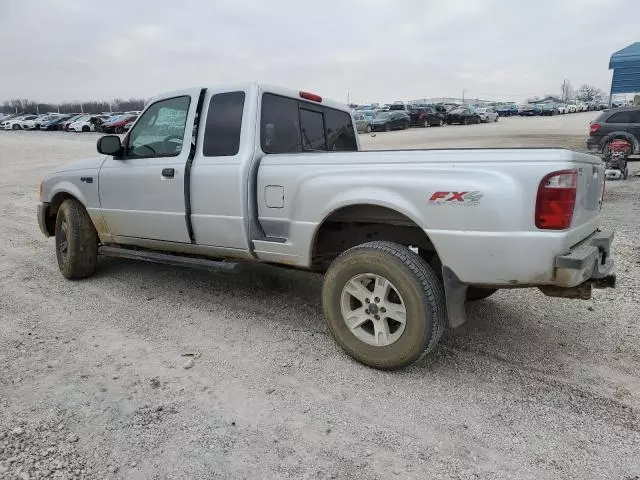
<point x="457" y="110"/>
<point x="382" y="116"/>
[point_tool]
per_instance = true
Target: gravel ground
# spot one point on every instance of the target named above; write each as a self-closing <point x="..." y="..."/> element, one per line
<point x="93" y="384"/>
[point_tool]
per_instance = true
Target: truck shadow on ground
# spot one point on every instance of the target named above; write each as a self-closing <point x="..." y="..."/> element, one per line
<point x="511" y="326"/>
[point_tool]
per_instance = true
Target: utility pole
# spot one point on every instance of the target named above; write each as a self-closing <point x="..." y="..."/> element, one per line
<point x="348" y="98"/>
<point x="463" y="92"/>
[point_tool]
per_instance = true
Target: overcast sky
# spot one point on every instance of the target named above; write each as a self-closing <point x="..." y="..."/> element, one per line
<point x="377" y="50"/>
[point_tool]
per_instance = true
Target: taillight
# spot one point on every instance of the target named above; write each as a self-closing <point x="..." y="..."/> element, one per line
<point x="311" y="96"/>
<point x="556" y="200"/>
<point x="594" y="127"/>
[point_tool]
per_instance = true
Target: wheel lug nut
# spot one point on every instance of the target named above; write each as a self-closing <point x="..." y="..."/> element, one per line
<point x="366" y="300"/>
<point x="377" y="300"/>
<point x="382" y="309"/>
<point x="377" y="317"/>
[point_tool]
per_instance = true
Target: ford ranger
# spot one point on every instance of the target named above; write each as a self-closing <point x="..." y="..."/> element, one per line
<point x="215" y="177"/>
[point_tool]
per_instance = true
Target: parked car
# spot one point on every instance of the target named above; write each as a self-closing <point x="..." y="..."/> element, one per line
<point x="54" y="122"/>
<point x="88" y="123"/>
<point x="399" y="107"/>
<point x="529" y="110"/>
<point x="363" y="122"/>
<point x="572" y="108"/>
<point x="487" y="114"/>
<point x="28" y="122"/>
<point x="462" y="116"/>
<point x="562" y="108"/>
<point x="507" y="110"/>
<point x="128" y="126"/>
<point x="350" y="215"/>
<point x="14" y="123"/>
<point x="116" y="125"/>
<point x="617" y="123"/>
<point x="426" y="117"/>
<point x="386" y="121"/>
<point x="548" y="109"/>
<point x="67" y="123"/>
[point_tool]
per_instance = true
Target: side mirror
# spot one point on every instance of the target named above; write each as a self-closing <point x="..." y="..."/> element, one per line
<point x="110" y="145"/>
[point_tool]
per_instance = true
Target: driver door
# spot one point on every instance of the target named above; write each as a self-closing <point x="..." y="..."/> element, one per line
<point x="142" y="193"/>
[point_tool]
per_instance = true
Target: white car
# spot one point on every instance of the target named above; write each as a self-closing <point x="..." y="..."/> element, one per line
<point x="84" y="124"/>
<point x="572" y="108"/>
<point x="14" y="123"/>
<point x="562" y="109"/>
<point x="487" y="115"/>
<point x="32" y="122"/>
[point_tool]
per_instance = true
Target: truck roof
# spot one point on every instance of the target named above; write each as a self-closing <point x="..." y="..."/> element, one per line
<point x="262" y="87"/>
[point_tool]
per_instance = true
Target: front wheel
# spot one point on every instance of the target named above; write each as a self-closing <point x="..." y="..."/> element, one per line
<point x="76" y="241"/>
<point x="16" y="127"/>
<point x="86" y="129"/>
<point x="383" y="305"/>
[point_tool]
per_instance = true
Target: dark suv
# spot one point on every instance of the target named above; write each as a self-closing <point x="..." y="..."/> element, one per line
<point x="613" y="124"/>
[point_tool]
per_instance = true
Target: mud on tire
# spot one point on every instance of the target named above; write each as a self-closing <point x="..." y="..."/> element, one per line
<point x="76" y="241"/>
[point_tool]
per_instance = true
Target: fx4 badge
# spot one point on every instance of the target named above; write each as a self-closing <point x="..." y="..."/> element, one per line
<point x="464" y="199"/>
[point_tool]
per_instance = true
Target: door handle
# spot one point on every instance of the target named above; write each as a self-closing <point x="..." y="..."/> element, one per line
<point x="168" y="172"/>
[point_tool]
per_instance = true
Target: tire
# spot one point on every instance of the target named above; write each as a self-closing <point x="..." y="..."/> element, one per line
<point x="16" y="127"/>
<point x="368" y="129"/>
<point x="387" y="127"/>
<point x="497" y="118"/>
<point x="476" y="293"/>
<point x="119" y="130"/>
<point x="407" y="126"/>
<point x="440" y="122"/>
<point x="76" y="241"/>
<point x="414" y="285"/>
<point x="86" y="129"/>
<point x="426" y="124"/>
<point x="465" y="121"/>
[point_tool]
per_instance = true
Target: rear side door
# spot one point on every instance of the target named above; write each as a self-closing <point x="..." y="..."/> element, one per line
<point x="142" y="193"/>
<point x="619" y="122"/>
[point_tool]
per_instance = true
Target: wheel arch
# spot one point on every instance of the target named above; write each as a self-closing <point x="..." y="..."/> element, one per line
<point x="624" y="135"/>
<point x="351" y="224"/>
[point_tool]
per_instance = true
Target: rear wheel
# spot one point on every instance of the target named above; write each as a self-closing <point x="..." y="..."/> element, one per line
<point x="76" y="241"/>
<point x="16" y="127"/>
<point x="86" y="129"/>
<point x="383" y="304"/>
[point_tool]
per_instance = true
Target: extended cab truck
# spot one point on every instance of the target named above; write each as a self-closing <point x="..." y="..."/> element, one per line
<point x="213" y="177"/>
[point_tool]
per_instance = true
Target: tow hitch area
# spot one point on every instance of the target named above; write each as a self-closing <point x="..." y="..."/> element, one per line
<point x="579" y="292"/>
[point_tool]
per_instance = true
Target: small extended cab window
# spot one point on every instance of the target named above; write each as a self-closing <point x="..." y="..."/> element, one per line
<point x="160" y="130"/>
<point x="621" y="117"/>
<point x="288" y="125"/>
<point x="224" y="121"/>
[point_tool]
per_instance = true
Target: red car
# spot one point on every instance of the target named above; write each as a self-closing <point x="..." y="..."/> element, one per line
<point x="117" y="125"/>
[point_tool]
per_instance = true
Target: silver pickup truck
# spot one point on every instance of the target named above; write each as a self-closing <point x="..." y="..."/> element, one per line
<point x="214" y="177"/>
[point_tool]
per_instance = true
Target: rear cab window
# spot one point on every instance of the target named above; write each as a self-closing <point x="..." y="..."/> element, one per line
<point x="223" y="125"/>
<point x="289" y="125"/>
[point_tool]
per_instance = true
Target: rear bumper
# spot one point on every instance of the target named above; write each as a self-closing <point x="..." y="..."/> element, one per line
<point x="589" y="261"/>
<point x="43" y="211"/>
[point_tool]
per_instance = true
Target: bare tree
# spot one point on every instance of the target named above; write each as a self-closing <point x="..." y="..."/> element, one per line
<point x="588" y="93"/>
<point x="23" y="105"/>
<point x="566" y="91"/>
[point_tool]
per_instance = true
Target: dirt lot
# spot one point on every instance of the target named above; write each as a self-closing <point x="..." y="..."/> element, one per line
<point x="92" y="383"/>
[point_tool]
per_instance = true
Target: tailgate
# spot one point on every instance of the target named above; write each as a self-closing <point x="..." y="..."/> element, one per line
<point x="590" y="188"/>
